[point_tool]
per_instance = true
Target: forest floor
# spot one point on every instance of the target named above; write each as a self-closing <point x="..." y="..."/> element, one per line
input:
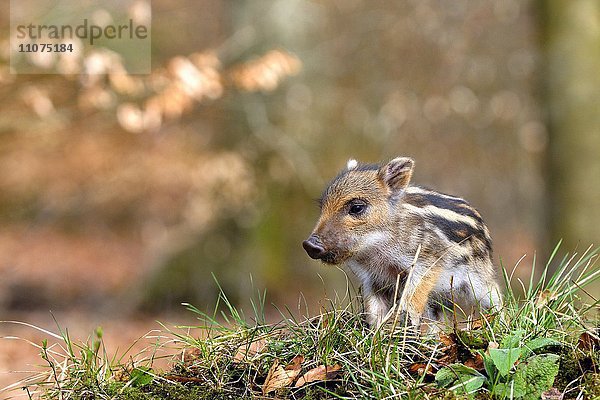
<point x="544" y="342"/>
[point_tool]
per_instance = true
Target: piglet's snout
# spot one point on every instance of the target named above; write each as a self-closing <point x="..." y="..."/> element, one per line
<point x="314" y="248"/>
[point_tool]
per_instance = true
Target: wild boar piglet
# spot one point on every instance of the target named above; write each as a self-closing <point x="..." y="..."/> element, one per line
<point x="387" y="231"/>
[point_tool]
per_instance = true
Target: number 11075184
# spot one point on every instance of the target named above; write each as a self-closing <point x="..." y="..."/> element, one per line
<point x="45" y="48"/>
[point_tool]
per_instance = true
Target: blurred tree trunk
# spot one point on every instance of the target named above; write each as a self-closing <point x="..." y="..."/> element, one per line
<point x="269" y="256"/>
<point x="572" y="34"/>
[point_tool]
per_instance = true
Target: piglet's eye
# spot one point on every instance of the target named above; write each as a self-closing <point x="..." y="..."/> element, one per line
<point x="357" y="208"/>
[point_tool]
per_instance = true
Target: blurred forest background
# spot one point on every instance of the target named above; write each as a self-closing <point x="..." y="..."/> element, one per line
<point x="121" y="195"/>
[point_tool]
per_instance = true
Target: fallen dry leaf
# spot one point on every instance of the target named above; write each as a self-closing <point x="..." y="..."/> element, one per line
<point x="544" y="297"/>
<point x="123" y="374"/>
<point x="421" y="369"/>
<point x="552" y="394"/>
<point x="320" y="373"/>
<point x="296" y="363"/>
<point x="475" y="362"/>
<point x="450" y="349"/>
<point x="447" y="340"/>
<point x="588" y="341"/>
<point x="249" y="351"/>
<point x="190" y="355"/>
<point x="480" y="323"/>
<point x="279" y="377"/>
<point x="492" y="345"/>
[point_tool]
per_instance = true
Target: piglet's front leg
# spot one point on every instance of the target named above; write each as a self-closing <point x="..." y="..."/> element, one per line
<point x="417" y="291"/>
<point x="376" y="309"/>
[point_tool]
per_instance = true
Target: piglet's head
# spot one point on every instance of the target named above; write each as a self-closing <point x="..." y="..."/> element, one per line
<point x="356" y="209"/>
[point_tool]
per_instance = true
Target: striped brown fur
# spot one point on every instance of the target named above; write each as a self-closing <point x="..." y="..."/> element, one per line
<point x="376" y="223"/>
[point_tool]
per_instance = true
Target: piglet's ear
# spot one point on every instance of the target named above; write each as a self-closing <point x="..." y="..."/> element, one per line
<point x="397" y="173"/>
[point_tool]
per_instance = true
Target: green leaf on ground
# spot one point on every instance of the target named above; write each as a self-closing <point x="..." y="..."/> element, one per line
<point x="463" y="378"/>
<point x="531" y="378"/>
<point x="504" y="359"/>
<point x="141" y="376"/>
<point x="513" y="340"/>
<point x="536" y="344"/>
<point x="539" y="374"/>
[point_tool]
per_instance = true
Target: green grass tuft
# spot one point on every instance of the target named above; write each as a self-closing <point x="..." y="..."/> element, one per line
<point x="545" y="339"/>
